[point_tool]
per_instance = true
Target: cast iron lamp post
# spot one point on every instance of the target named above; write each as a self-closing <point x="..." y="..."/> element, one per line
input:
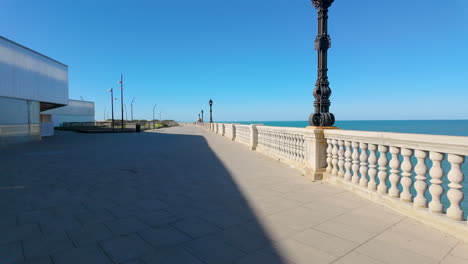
<point x="322" y="91"/>
<point x="211" y="110"/>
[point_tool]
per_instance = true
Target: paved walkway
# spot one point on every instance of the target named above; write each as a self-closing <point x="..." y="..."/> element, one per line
<point x="185" y="195"/>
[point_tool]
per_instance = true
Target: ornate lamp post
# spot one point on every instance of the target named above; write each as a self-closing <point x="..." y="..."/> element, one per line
<point x="322" y="91"/>
<point x="202" y="116"/>
<point x="211" y="110"/>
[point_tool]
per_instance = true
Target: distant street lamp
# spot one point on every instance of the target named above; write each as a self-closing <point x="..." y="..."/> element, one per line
<point x="154" y="107"/>
<point x="111" y="90"/>
<point x="202" y="116"/>
<point x="211" y="110"/>
<point x="131" y="107"/>
<point x="199" y="118"/>
<point x="322" y="91"/>
<point x="121" y="98"/>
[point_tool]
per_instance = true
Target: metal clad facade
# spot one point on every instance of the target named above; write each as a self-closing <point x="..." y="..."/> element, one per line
<point x="25" y="74"/>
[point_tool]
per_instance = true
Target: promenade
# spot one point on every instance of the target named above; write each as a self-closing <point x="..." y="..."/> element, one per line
<point x="186" y="195"/>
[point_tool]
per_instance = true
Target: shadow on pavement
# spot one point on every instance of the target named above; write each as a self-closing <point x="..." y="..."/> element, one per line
<point x="119" y="198"/>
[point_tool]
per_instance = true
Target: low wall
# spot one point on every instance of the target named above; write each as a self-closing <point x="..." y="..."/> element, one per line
<point x="418" y="175"/>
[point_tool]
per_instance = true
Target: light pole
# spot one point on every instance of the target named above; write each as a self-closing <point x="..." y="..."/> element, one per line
<point x="154" y="107"/>
<point x="131" y="107"/>
<point x="322" y="91"/>
<point x="202" y="116"/>
<point x="121" y="98"/>
<point x="211" y="110"/>
<point x="111" y="90"/>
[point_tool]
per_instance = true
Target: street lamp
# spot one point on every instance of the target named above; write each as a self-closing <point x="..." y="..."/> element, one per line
<point x="131" y="107"/>
<point x="211" y="110"/>
<point x="202" y="116"/>
<point x="322" y="91"/>
<point x="154" y="107"/>
<point x="111" y="90"/>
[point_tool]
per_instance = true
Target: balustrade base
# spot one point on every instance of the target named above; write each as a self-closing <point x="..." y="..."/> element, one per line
<point x="457" y="229"/>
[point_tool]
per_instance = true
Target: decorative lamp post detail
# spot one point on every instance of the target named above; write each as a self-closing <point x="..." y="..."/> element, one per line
<point x="322" y="91"/>
<point x="202" y="116"/>
<point x="211" y="110"/>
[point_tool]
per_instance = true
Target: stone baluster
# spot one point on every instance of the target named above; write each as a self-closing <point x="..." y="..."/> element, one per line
<point x="341" y="158"/>
<point x="335" y="157"/>
<point x="348" y="160"/>
<point x="329" y="156"/>
<point x="355" y="166"/>
<point x="436" y="190"/>
<point x="394" y="192"/>
<point x="363" y="165"/>
<point x="455" y="193"/>
<point x="372" y="168"/>
<point x="420" y="185"/>
<point x="383" y="162"/>
<point x="406" y="174"/>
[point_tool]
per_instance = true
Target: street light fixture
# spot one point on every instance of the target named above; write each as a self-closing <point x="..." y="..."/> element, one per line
<point x="154" y="107"/>
<point x="211" y="110"/>
<point x="202" y="116"/>
<point x="131" y="107"/>
<point x="111" y="90"/>
<point x="322" y="91"/>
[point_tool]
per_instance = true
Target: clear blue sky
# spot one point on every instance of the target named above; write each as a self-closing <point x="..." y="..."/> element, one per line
<point x="390" y="59"/>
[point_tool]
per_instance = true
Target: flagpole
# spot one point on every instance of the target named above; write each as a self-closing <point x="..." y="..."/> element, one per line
<point x="122" y="102"/>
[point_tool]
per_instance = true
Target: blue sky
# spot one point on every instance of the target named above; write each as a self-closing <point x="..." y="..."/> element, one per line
<point x="394" y="59"/>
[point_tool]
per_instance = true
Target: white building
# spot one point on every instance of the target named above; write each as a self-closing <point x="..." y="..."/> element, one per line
<point x="29" y="83"/>
<point x="75" y="111"/>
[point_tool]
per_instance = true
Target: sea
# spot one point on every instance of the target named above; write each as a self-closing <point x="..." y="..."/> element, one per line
<point x="433" y="127"/>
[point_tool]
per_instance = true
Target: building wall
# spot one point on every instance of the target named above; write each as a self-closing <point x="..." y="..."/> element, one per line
<point x="29" y="82"/>
<point x="75" y="111"/>
<point x="26" y="74"/>
<point x="19" y="121"/>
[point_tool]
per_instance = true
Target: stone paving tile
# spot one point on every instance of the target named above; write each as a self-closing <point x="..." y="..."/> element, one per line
<point x="81" y="255"/>
<point x="171" y="255"/>
<point x="349" y="232"/>
<point x="158" y="218"/>
<point x="226" y="218"/>
<point x="126" y="226"/>
<point x="390" y="253"/>
<point x="453" y="260"/>
<point x="59" y="224"/>
<point x="246" y="238"/>
<point x="460" y="251"/>
<point x="164" y="236"/>
<point x="213" y="250"/>
<point x="353" y="257"/>
<point x="40" y="260"/>
<point x="7" y="221"/>
<point x="11" y="253"/>
<point x="19" y="233"/>
<point x="95" y="217"/>
<point x="89" y="234"/>
<point x="262" y="256"/>
<point x="126" y="248"/>
<point x="46" y="245"/>
<point x="35" y="216"/>
<point x="330" y="244"/>
<point x="418" y="238"/>
<point x="300" y="253"/>
<point x="195" y="227"/>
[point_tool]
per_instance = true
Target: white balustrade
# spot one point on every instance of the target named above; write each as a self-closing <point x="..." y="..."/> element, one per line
<point x="348" y="153"/>
<point x="357" y="158"/>
<point x="282" y="142"/>
<point x="243" y="134"/>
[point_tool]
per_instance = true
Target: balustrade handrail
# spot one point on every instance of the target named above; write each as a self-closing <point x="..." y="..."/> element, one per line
<point x="286" y="129"/>
<point x="438" y="143"/>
